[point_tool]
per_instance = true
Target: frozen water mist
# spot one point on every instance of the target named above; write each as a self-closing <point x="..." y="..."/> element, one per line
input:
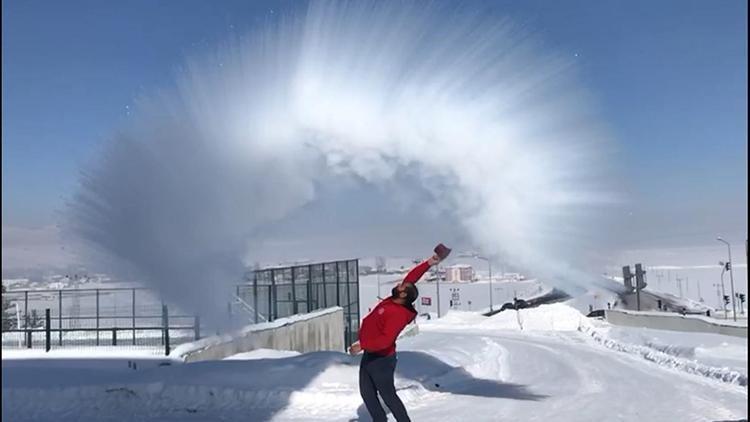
<point x="491" y="125"/>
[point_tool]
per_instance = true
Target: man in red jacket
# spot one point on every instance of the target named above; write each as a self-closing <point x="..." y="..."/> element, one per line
<point x="377" y="337"/>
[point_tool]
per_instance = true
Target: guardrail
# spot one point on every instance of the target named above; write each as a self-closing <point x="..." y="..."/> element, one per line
<point x="675" y="322"/>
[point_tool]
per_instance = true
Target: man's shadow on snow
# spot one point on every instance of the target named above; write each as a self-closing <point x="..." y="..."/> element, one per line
<point x="436" y="375"/>
<point x="282" y="377"/>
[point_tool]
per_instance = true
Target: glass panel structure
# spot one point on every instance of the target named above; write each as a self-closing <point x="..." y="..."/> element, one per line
<point x="280" y="292"/>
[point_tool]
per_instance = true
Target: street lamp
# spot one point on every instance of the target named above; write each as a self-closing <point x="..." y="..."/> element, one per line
<point x="731" y="276"/>
<point x="489" y="264"/>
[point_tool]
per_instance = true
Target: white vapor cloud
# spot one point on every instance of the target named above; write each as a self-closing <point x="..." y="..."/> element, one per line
<point x="492" y="130"/>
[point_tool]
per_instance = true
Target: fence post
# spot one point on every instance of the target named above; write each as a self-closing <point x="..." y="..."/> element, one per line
<point x="274" y="296"/>
<point x="114" y="336"/>
<point x="309" y="288"/>
<point x="197" y="327"/>
<point x="25" y="309"/>
<point x="47" y="330"/>
<point x="28" y="339"/>
<point x="162" y="322"/>
<point x="338" y="285"/>
<point x="97" y="317"/>
<point x="255" y="295"/>
<point x="165" y="319"/>
<point x="133" y="316"/>
<point x="59" y="316"/>
<point x="270" y="304"/>
<point x="325" y="293"/>
<point x="348" y="307"/>
<point x="295" y="307"/>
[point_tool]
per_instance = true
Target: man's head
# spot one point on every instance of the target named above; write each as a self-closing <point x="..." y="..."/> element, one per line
<point x="405" y="293"/>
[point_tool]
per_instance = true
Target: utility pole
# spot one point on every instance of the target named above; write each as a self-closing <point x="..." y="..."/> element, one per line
<point x="698" y="286"/>
<point x="659" y="276"/>
<point x="489" y="265"/>
<point x="723" y="293"/>
<point x="438" y="288"/>
<point x="731" y="276"/>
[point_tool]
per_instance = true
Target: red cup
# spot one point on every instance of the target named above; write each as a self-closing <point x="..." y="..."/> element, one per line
<point x="442" y="251"/>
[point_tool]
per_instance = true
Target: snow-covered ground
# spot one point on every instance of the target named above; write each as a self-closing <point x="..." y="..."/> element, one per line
<point x="263" y="354"/>
<point x="709" y="349"/>
<point x="546" y="363"/>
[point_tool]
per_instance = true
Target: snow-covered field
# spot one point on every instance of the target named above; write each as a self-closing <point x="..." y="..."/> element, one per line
<point x="539" y="364"/>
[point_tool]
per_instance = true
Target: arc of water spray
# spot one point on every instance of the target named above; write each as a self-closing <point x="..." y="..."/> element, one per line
<point x="494" y="127"/>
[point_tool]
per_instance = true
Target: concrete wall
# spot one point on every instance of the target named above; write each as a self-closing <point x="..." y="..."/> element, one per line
<point x="675" y="322"/>
<point x="315" y="331"/>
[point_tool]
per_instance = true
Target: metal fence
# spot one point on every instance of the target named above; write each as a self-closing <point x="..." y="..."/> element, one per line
<point x="273" y="293"/>
<point x="138" y="318"/>
<point x="77" y="318"/>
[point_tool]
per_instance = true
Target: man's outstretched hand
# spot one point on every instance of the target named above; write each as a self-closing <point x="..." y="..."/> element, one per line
<point x="355" y="349"/>
<point x="433" y="260"/>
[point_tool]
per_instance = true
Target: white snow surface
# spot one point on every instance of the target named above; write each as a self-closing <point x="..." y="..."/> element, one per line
<point x="561" y="366"/>
<point x="553" y="317"/>
<point x="263" y="354"/>
<point x="714" y="350"/>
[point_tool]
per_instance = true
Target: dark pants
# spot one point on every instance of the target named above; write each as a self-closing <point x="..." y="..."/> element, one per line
<point x="376" y="376"/>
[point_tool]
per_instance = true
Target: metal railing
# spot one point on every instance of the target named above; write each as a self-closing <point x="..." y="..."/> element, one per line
<point x="138" y="317"/>
<point x="167" y="334"/>
<point x="117" y="316"/>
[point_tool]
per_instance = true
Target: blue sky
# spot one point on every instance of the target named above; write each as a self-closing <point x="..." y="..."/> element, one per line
<point x="669" y="77"/>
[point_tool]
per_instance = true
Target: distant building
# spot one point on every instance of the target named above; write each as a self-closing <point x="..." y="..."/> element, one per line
<point x="459" y="273"/>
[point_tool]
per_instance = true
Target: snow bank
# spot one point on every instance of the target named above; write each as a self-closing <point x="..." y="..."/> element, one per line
<point x="709" y="349"/>
<point x="663" y="358"/>
<point x="263" y="354"/>
<point x="552" y="317"/>
<point x="461" y="317"/>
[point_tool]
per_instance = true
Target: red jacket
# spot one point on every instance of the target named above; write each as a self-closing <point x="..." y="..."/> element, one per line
<point x="384" y="323"/>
